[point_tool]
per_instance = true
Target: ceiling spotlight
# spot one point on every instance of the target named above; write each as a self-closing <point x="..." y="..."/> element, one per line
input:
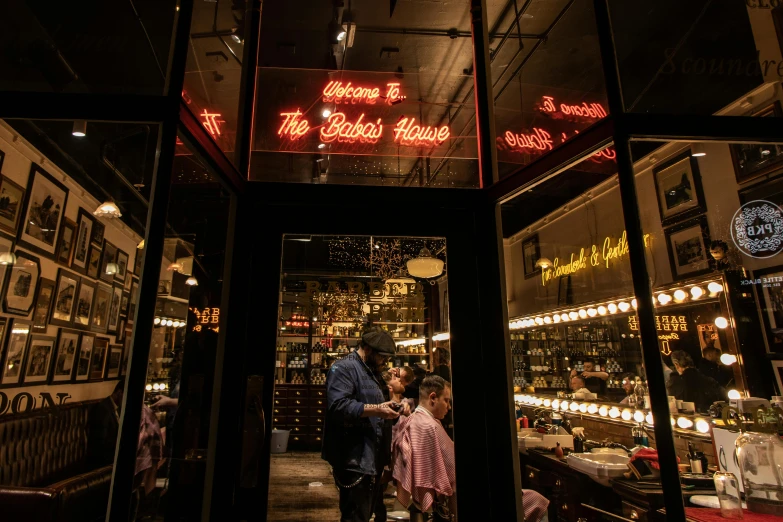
<point x="547" y="320"/>
<point x="236" y="38"/>
<point x="108" y="209"/>
<point x="582" y="313"/>
<point x="592" y="312"/>
<point x="175" y="267"/>
<point x="633" y="303"/>
<point x="556" y="318"/>
<point x="627" y="415"/>
<point x="79" y="128"/>
<point x="638" y="416"/>
<point x="573" y="315"/>
<point x="564" y="317"/>
<point x="697" y="150"/>
<point x="702" y="426"/>
<point x="326" y="113"/>
<point x="191" y="281"/>
<point x="664" y="298"/>
<point x="684" y="423"/>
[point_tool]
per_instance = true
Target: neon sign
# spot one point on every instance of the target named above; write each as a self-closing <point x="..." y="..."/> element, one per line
<point x="406" y="132"/>
<point x="338" y="92"/>
<point x="664" y="323"/>
<point x="211" y="122"/>
<point x="595" y="258"/>
<point x="207" y="318"/>
<point x="337" y="128"/>
<point x="293" y="126"/>
<point x="584" y="110"/>
<point x="539" y="139"/>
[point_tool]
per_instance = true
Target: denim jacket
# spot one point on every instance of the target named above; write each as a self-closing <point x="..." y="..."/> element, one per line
<point x="351" y="442"/>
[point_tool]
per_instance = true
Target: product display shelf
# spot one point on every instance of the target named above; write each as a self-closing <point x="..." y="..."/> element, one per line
<point x="300" y="408"/>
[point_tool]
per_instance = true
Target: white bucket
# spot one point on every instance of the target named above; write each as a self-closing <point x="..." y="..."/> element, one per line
<point x="280" y="441"/>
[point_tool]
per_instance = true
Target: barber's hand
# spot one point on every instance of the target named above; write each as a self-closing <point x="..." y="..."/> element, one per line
<point x="385" y="412"/>
<point x="573" y="372"/>
<point x="395" y="371"/>
<point x="406" y="408"/>
<point x="163" y="402"/>
<point x="587" y="374"/>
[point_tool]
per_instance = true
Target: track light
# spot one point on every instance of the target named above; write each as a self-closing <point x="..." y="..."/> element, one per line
<point x="79" y="128"/>
<point x="697" y="150"/>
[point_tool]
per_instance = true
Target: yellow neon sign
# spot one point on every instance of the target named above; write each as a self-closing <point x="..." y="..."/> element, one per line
<point x="596" y="257"/>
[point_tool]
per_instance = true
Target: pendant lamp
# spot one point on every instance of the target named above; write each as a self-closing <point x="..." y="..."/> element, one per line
<point x="425" y="265"/>
<point x="108" y="209"/>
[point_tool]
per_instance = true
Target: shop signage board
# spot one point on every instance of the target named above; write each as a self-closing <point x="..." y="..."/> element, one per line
<point x="757" y="229"/>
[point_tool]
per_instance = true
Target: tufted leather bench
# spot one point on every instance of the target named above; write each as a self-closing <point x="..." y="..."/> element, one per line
<point x="42" y="475"/>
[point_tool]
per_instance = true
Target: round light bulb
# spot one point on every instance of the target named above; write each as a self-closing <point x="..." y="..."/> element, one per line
<point x="684" y="423"/>
<point x="157" y="320"/>
<point x="582" y="313"/>
<point x="564" y="405"/>
<point x="603" y="411"/>
<point x="547" y="320"/>
<point x="556" y="404"/>
<point x="326" y="113"/>
<point x="721" y="322"/>
<point x="538" y="402"/>
<point x="156" y="386"/>
<point x="623" y="306"/>
<point x="728" y="359"/>
<point x="593" y="408"/>
<point x="539" y="321"/>
<point x="664" y="298"/>
<point x="680" y="295"/>
<point x="627" y="415"/>
<point x="547" y="402"/>
<point x="649" y="418"/>
<point x="734" y="394"/>
<point x="696" y="292"/>
<point x="702" y="426"/>
<point x="556" y="318"/>
<point x="574" y="406"/>
<point x="564" y="317"/>
<point x="614" y="413"/>
<point x="612" y="308"/>
<point x="573" y="315"/>
<point x="602" y="310"/>
<point x="633" y="303"/>
<point x="148" y="387"/>
<point x="583" y="407"/>
<point x="592" y="312"/>
<point x="638" y="416"/>
<point x="715" y="288"/>
<point x="169" y="322"/>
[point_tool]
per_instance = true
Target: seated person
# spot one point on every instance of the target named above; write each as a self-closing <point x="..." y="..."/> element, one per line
<point x="690" y="385"/>
<point x="423" y="454"/>
<point x="578" y="385"/>
<point x="595" y="381"/>
<point x="629" y="384"/>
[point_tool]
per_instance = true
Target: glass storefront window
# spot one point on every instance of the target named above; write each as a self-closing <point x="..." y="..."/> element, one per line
<point x="100" y="47"/>
<point x="348" y="96"/>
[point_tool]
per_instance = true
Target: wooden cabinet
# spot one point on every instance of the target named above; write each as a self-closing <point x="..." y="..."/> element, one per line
<point x="300" y="409"/>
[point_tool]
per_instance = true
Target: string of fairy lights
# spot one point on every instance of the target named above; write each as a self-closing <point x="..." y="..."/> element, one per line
<point x="380" y="257"/>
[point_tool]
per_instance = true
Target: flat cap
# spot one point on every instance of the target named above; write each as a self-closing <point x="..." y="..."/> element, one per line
<point x="379" y="340"/>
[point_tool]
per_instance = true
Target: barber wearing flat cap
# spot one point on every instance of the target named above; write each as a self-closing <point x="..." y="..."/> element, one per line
<point x="357" y="432"/>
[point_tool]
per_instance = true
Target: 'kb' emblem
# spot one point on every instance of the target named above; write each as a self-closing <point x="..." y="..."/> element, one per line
<point x="757" y="229"/>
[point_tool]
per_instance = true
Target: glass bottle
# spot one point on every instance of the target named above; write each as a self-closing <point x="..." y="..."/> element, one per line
<point x="760" y="457"/>
<point x="727" y="489"/>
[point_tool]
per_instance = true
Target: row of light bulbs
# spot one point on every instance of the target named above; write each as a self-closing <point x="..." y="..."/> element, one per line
<point x="663" y="298"/>
<point x="162" y="321"/>
<point x="156" y="386"/>
<point x="699" y="424"/>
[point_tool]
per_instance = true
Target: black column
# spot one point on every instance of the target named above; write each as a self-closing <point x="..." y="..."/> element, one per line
<point x="247" y="87"/>
<point x="482" y="81"/>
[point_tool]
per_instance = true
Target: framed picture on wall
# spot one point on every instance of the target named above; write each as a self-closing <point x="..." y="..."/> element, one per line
<point x="679" y="190"/>
<point x="134" y="298"/>
<point x="114" y="309"/>
<point x="128" y="280"/>
<point x="65" y="355"/>
<point x="753" y="160"/>
<point x="22" y="284"/>
<point x="86" y="344"/>
<point x="85" y="224"/>
<point x="94" y="263"/>
<point x="530" y="255"/>
<point x="42" y="216"/>
<point x="98" y="363"/>
<point x="15" y="350"/>
<point x="689" y="248"/>
<point x="121" y="330"/>
<point x="137" y="261"/>
<point x="109" y="256"/>
<point x="97" y="233"/>
<point x="6" y="245"/>
<point x="100" y="309"/>
<point x="66" y="242"/>
<point x="122" y="266"/>
<point x="84" y="300"/>
<point x="43" y="303"/>
<point x="39" y="359"/>
<point x="66" y="289"/>
<point x="11" y="200"/>
<point x="114" y="362"/>
<point x="125" y="304"/>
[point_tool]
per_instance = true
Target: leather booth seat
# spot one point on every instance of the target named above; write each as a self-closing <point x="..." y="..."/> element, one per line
<point x="42" y="475"/>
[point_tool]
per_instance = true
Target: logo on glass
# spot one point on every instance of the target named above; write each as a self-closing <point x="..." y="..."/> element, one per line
<point x="757" y="229"/>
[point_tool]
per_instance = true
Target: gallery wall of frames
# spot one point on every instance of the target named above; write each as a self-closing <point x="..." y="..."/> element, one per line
<point x="68" y="284"/>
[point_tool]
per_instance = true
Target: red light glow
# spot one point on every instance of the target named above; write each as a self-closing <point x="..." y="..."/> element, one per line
<point x="338" y="128"/>
<point x="293" y="126"/>
<point x="583" y="110"/>
<point x="406" y="132"/>
<point x="339" y="92"/>
<point x="539" y="140"/>
<point x="211" y="122"/>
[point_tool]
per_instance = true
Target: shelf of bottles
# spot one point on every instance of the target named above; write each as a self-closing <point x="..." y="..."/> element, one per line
<point x="544" y="356"/>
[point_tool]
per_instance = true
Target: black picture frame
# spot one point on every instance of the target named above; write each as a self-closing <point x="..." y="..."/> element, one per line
<point x="44" y="210"/>
<point x="66" y="350"/>
<point x="120" y="336"/>
<point x="128" y="281"/>
<point x="114" y="361"/>
<point x="770" y="302"/>
<point x="754" y="160"/>
<point x="15" y="342"/>
<point x="94" y="262"/>
<point x="125" y="304"/>
<point x="109" y="256"/>
<point x="82" y="314"/>
<point x="114" y="309"/>
<point x="38" y="364"/>
<point x="137" y="261"/>
<point x="66" y="290"/>
<point x="84" y="358"/>
<point x="98" y="232"/>
<point x="122" y="264"/>
<point x="100" y="309"/>
<point x="85" y="225"/>
<point x="43" y="304"/>
<point x="133" y="299"/>
<point x="100" y="351"/>
<point x="12" y="197"/>
<point x="531" y="253"/>
<point x="66" y="242"/>
<point x="6" y="245"/>
<point x="672" y="190"/>
<point x="685" y="242"/>
<point x="22" y="282"/>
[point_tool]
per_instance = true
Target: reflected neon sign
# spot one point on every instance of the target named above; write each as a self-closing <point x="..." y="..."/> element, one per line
<point x="211" y="122"/>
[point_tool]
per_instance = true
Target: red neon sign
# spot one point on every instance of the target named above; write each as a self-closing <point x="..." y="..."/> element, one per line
<point x="538" y="140"/>
<point x="337" y="128"/>
<point x="293" y="127"/>
<point x="407" y="132"/>
<point x="211" y="123"/>
<point x="583" y="110"/>
<point x="338" y="92"/>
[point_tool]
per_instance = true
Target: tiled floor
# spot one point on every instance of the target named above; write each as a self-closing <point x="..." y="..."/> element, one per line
<point x="293" y="498"/>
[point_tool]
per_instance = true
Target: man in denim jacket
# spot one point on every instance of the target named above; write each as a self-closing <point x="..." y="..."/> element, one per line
<point x="357" y="434"/>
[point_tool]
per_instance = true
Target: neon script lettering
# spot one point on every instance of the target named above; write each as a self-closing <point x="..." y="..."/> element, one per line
<point x="338" y="128"/>
<point x="406" y="132"/>
<point x="338" y="92"/>
<point x="293" y="127"/>
<point x="583" y="110"/>
<point x="539" y="140"/>
<point x="211" y="122"/>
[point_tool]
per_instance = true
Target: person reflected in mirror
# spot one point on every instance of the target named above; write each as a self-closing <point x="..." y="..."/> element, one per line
<point x="690" y="385"/>
<point x="595" y="380"/>
<point x="577" y="384"/>
<point x="629" y="386"/>
<point x="443" y="369"/>
<point x="711" y="366"/>
<point x="423" y="455"/>
<point x="412" y="389"/>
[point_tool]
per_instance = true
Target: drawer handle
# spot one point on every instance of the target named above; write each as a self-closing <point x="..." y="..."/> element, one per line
<point x="557" y="483"/>
<point x="298" y="393"/>
<point x="531" y="475"/>
<point x="634" y="515"/>
<point x="564" y="507"/>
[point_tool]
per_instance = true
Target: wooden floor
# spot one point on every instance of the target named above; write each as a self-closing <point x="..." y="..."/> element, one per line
<point x="292" y="498"/>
